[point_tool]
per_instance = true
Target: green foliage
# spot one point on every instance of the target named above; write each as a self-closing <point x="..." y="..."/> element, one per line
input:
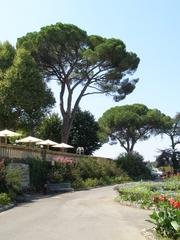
<point x="171" y="156"/>
<point x="10" y="180"/>
<point x="84" y="132"/>
<point x="7" y="116"/>
<point x="166" y="219"/>
<point x="147" y="194"/>
<point x="55" y="176"/>
<point x="62" y="172"/>
<point x="78" y="183"/>
<point x="91" y="64"/>
<point x="7" y="53"/>
<point x="163" y="197"/>
<point x="134" y="166"/>
<point x="4" y="199"/>
<point x="83" y="173"/>
<point x="20" y="81"/>
<point x="50" y="128"/>
<point x="97" y="172"/>
<point x="97" y="168"/>
<point x="173" y="131"/>
<point x="24" y="81"/>
<point x="13" y="181"/>
<point x="129" y="124"/>
<point x="3" y="187"/>
<point x="39" y="171"/>
<point x="142" y="195"/>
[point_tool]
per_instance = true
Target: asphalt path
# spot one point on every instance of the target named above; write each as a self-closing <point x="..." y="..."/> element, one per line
<point x="82" y="215"/>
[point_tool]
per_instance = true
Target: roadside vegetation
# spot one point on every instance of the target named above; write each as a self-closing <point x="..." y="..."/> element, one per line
<point x="161" y="197"/>
<point x="82" y="173"/>
<point x="84" y="65"/>
<point x="10" y="184"/>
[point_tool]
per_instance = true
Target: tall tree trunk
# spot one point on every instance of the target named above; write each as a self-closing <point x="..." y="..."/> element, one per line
<point x="66" y="127"/>
<point x="174" y="160"/>
<point x="175" y="163"/>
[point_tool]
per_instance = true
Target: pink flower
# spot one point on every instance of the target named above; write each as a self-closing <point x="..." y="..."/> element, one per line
<point x="162" y="198"/>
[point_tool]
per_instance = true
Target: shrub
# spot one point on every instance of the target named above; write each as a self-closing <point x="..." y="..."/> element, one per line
<point x="134" y="166"/>
<point x="39" y="171"/>
<point x="3" y="187"/>
<point x="89" y="182"/>
<point x="63" y="171"/>
<point x="82" y="173"/>
<point x="98" y="168"/>
<point x="55" y="176"/>
<point x="4" y="199"/>
<point x="78" y="183"/>
<point x="13" y="181"/>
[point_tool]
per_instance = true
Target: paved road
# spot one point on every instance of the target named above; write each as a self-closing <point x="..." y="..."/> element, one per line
<point x="83" y="215"/>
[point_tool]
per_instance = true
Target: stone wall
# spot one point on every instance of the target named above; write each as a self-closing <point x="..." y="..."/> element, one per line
<point x="24" y="170"/>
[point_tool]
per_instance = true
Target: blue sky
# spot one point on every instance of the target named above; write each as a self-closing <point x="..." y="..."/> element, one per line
<point x="148" y="28"/>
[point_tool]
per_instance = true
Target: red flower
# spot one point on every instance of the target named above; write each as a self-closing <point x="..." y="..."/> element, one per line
<point x="176" y="204"/>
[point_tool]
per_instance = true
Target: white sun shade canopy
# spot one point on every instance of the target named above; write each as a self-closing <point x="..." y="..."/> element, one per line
<point x="62" y="145"/>
<point x="47" y="142"/>
<point x="29" y="139"/>
<point x="8" y="133"/>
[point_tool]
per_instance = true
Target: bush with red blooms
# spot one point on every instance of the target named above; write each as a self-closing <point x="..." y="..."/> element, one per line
<point x="166" y="216"/>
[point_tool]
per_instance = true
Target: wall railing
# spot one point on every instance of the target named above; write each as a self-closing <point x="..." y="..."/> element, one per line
<point x="23" y="152"/>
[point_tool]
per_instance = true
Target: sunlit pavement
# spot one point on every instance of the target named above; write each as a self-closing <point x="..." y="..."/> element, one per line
<point x="83" y="215"/>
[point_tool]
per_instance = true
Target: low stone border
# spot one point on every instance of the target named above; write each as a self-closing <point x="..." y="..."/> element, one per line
<point x="6" y="207"/>
<point x="133" y="204"/>
<point x="149" y="234"/>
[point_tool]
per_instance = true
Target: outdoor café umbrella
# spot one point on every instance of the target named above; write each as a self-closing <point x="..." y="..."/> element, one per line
<point x="7" y="133"/>
<point x="29" y="140"/>
<point x="62" y="145"/>
<point x="47" y="143"/>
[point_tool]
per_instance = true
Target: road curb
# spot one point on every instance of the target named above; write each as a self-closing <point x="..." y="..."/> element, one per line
<point x="149" y="234"/>
<point x="7" y="207"/>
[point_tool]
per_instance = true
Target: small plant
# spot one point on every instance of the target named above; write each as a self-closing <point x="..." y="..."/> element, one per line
<point x="78" y="183"/>
<point x="4" y="199"/>
<point x="89" y="182"/>
<point x="2" y="176"/>
<point x="166" y="217"/>
<point x="13" y="182"/>
<point x="55" y="177"/>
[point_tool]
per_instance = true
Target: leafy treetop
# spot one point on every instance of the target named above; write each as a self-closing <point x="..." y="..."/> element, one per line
<point x="131" y="123"/>
<point x="90" y="64"/>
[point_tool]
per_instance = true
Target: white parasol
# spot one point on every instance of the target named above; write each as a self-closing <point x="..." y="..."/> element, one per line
<point x="47" y="143"/>
<point x="62" y="145"/>
<point x="29" y="140"/>
<point x="7" y="133"/>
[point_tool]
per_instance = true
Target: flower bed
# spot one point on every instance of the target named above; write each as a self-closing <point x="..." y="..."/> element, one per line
<point x="166" y="216"/>
<point x="162" y="197"/>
